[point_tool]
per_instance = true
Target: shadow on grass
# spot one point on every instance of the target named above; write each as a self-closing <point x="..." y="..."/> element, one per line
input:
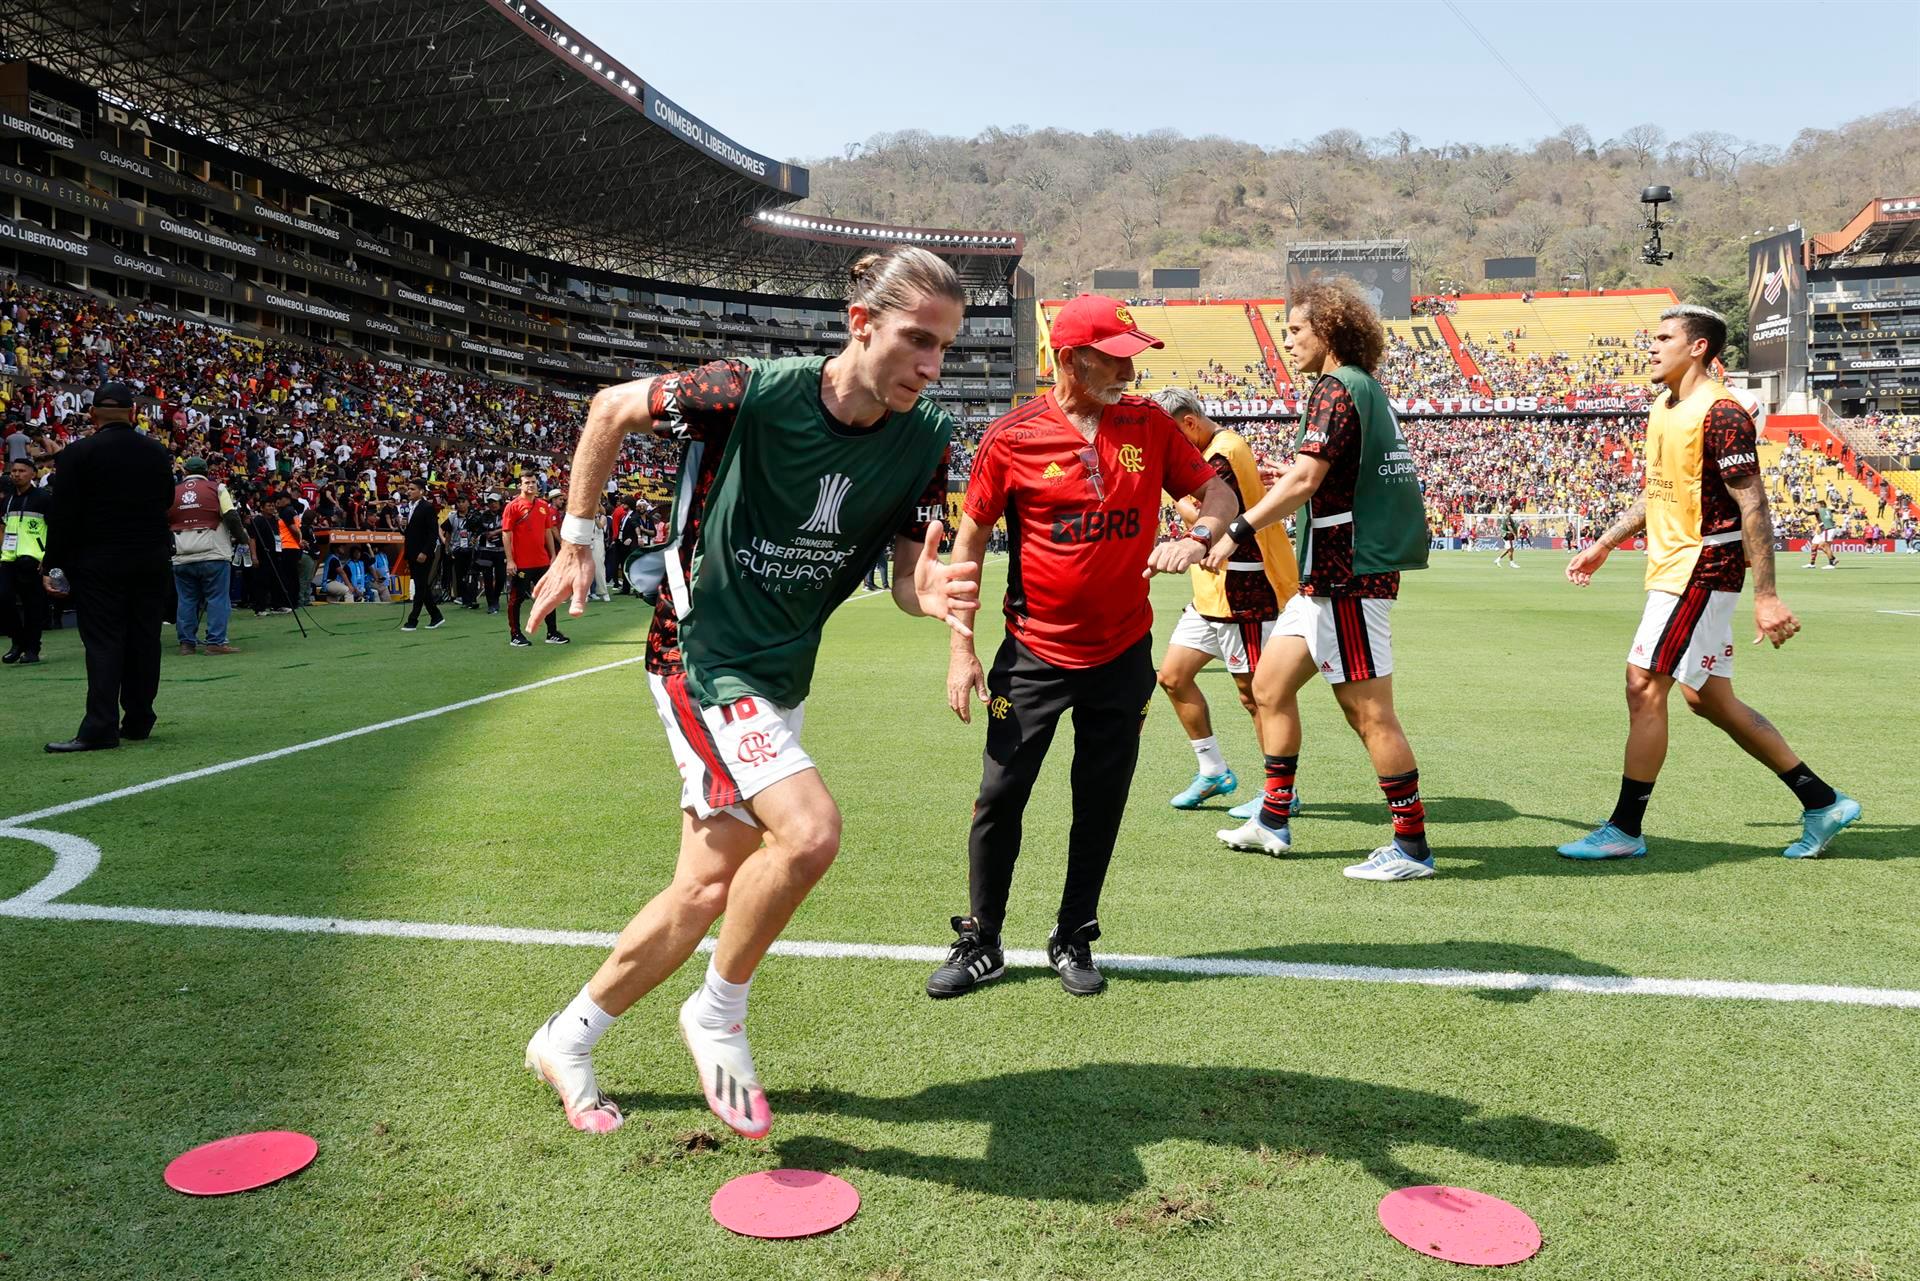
<point x="1481" y="956"/>
<point x="1074" y="1134"/>
<point x="1864" y="840"/>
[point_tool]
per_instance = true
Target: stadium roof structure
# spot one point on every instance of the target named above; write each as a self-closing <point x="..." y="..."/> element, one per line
<point x="1885" y="233"/>
<point x="492" y="118"/>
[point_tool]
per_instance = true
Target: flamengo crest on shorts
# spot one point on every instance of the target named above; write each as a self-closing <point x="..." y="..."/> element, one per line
<point x="727" y="754"/>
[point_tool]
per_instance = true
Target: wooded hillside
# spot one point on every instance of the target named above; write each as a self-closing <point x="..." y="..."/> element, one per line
<point x="1230" y="208"/>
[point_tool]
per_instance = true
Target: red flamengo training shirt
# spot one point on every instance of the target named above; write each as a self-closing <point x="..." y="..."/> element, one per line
<point x="1080" y="521"/>
<point x="527" y="522"/>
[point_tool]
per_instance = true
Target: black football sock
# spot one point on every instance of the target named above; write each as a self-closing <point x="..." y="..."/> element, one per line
<point x="1277" y="799"/>
<point x="1409" y="814"/>
<point x="1807" y="785"/>
<point x="1631" y="809"/>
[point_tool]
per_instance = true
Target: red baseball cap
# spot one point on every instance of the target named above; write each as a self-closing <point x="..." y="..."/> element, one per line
<point x="1095" y="320"/>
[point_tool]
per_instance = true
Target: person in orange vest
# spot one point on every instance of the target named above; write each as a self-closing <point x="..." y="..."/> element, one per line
<point x="286" y="553"/>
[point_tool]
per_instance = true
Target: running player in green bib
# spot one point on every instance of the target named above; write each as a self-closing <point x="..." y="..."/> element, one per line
<point x="798" y="471"/>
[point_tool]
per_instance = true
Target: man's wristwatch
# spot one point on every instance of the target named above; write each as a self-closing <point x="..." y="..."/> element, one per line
<point x="1201" y="533"/>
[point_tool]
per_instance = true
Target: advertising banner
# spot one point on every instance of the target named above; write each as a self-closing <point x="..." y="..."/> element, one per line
<point x="1442" y="407"/>
<point x="1777" y="309"/>
<point x="675" y="119"/>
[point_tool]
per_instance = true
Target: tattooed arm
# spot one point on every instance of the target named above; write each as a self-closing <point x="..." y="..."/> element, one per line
<point x="1771" y="618"/>
<point x="1581" y="569"/>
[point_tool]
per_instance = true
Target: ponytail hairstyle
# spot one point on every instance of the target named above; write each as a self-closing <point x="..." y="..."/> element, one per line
<point x="899" y="278"/>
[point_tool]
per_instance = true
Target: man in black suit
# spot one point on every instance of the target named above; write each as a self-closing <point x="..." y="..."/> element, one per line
<point x="109" y="532"/>
<point x="424" y="537"/>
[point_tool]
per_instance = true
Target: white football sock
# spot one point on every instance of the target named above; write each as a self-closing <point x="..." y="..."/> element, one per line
<point x="1211" y="761"/>
<point x="721" y="1004"/>
<point x="580" y="1026"/>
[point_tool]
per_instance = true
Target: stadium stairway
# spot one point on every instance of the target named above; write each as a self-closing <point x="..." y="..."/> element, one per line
<point x="1269" y="349"/>
<point x="1855" y="497"/>
<point x="1460" y="356"/>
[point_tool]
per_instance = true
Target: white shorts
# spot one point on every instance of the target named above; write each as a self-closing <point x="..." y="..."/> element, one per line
<point x="727" y="754"/>
<point x="1238" y="645"/>
<point x="1350" y="637"/>
<point x="1688" y="637"/>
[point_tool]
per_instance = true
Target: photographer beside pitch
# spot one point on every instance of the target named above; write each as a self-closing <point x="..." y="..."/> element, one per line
<point x="1706" y="521"/>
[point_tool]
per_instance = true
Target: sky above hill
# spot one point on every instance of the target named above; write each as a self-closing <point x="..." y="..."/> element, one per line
<point x="802" y="80"/>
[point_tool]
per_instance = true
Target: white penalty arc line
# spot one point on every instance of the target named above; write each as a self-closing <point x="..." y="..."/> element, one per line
<point x="37" y="905"/>
<point x="208" y="771"/>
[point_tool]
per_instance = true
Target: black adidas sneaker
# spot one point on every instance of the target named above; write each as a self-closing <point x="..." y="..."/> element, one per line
<point x="973" y="960"/>
<point x="1072" y="957"/>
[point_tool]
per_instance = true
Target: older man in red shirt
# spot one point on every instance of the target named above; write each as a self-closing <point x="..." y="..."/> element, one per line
<point x="1077" y="473"/>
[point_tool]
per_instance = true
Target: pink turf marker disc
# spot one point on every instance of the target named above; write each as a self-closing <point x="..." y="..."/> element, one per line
<point x="241" y="1163"/>
<point x="778" y="1205"/>
<point x="1459" y="1225"/>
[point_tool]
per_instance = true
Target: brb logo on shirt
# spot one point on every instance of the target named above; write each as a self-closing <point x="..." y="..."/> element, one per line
<point x="1095" y="527"/>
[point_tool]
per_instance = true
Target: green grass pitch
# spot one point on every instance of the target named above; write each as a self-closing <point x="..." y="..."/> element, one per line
<point x="1176" y="1127"/>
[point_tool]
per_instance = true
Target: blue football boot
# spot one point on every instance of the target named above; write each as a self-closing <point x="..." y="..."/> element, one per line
<point x="1247" y="809"/>
<point x="1819" y="827"/>
<point x="1203" y="786"/>
<point x="1605" y="841"/>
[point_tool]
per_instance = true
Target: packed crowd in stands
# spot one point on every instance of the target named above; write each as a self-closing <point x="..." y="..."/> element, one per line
<point x="1407" y="369"/>
<point x="1606" y="367"/>
<point x="268" y="414"/>
<point x="343" y="434"/>
<point x="1471" y="468"/>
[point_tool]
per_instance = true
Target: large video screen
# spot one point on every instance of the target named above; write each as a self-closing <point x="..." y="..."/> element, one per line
<point x="1387" y="284"/>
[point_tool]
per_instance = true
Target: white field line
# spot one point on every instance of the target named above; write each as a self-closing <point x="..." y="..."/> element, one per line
<point x="1202" y="966"/>
<point x="76" y="858"/>
<point x="89" y="802"/>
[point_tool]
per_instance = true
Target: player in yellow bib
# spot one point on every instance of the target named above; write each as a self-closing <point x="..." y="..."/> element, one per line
<point x="1233" y="611"/>
<point x="1706" y="521"/>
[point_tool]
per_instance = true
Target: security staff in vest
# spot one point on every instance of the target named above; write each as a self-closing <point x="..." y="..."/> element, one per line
<point x="287" y="549"/>
<point x="489" y="556"/>
<point x="23" y="547"/>
<point x="206" y="528"/>
<point x="425" y="537"/>
<point x="461" y="531"/>
<point x="109" y="533"/>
